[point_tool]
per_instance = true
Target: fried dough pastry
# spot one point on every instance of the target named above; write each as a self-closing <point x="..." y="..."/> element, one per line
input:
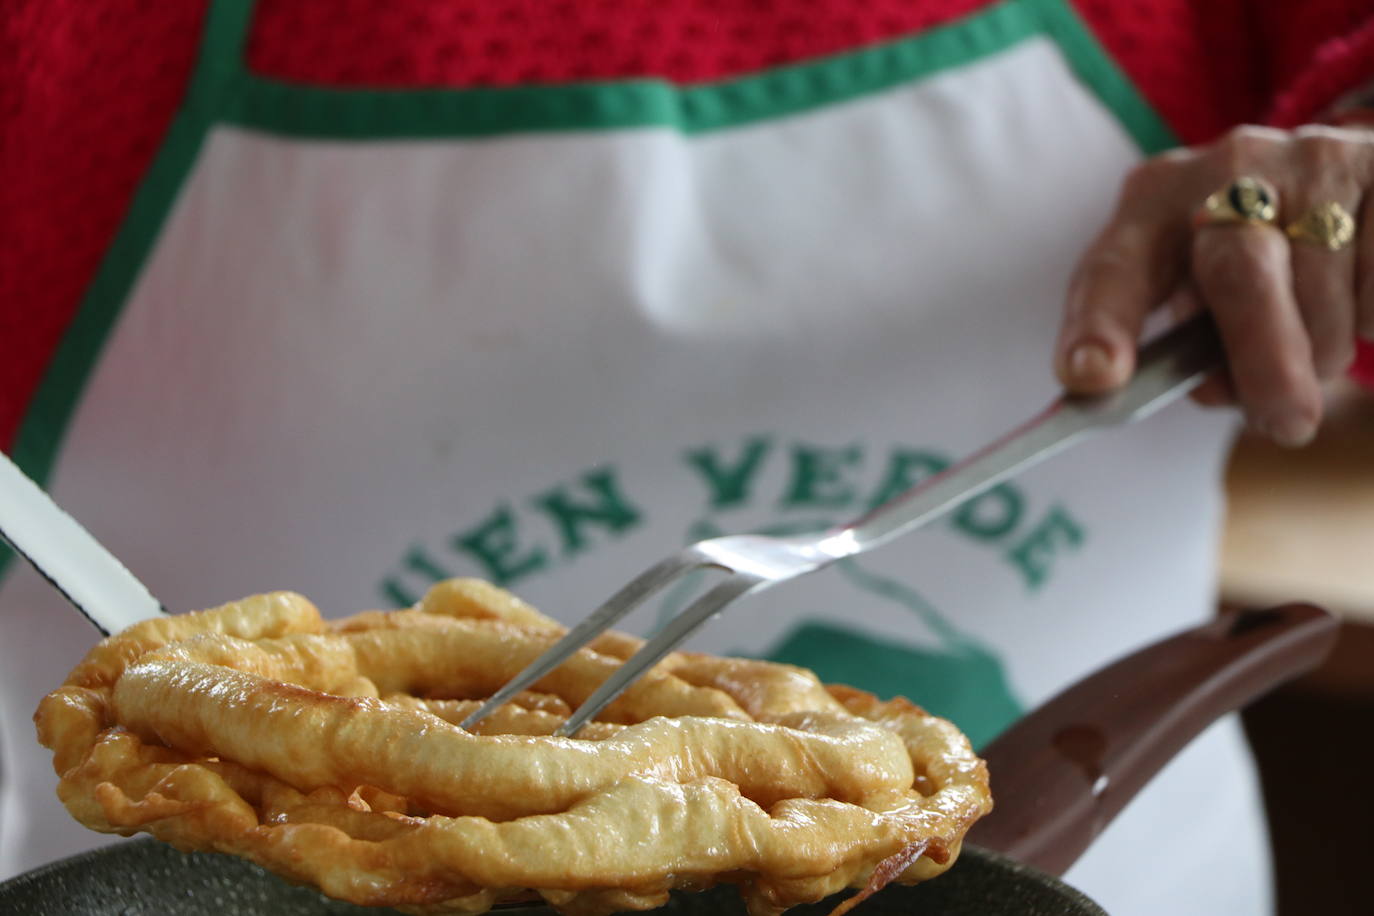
<point x="330" y="754"/>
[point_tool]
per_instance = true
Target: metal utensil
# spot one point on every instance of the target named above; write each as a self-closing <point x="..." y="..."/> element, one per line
<point x="66" y="554"/>
<point x="1167" y="368"/>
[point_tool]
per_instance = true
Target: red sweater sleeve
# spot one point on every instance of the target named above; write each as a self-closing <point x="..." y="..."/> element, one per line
<point x="1319" y="50"/>
<point x="1322" y="50"/>
<point x="1207" y="65"/>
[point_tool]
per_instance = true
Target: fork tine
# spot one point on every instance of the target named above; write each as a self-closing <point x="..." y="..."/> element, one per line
<point x="616" y="607"/>
<point x="678" y="629"/>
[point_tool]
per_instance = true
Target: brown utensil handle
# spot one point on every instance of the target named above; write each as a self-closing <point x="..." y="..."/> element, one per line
<point x="1062" y="773"/>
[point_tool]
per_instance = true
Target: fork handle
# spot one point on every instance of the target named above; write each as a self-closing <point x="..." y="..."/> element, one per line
<point x="1166" y="369"/>
<point x="64" y="553"/>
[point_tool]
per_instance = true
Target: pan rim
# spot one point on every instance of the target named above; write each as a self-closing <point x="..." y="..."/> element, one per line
<point x="29" y="881"/>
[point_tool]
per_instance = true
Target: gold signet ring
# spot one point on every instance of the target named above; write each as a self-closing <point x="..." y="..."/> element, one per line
<point x="1246" y="200"/>
<point x="1327" y="224"/>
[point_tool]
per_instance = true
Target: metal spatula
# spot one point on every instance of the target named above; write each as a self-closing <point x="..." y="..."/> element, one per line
<point x="65" y="554"/>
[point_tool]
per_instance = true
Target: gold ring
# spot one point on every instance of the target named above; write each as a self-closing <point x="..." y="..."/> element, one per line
<point x="1246" y="200"/>
<point x="1327" y="224"/>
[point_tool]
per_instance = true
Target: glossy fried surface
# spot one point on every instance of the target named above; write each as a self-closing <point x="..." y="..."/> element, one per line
<point x="329" y="753"/>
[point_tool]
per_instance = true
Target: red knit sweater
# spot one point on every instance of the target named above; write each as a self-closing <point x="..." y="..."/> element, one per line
<point x="88" y="88"/>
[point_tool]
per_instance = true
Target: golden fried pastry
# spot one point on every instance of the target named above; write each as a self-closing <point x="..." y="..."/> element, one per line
<point x="330" y="754"/>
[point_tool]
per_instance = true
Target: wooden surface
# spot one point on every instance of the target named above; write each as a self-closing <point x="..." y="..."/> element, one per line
<point x="1300" y="523"/>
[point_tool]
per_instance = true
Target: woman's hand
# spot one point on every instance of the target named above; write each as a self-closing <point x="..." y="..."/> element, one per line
<point x="1288" y="309"/>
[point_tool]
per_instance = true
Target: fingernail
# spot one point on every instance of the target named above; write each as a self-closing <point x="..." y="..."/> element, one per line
<point x="1090" y="361"/>
<point x="1288" y="431"/>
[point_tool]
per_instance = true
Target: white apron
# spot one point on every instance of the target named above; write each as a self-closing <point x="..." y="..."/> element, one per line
<point x="351" y="343"/>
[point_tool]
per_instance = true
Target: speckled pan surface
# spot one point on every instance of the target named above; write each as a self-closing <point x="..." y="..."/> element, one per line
<point x="148" y="878"/>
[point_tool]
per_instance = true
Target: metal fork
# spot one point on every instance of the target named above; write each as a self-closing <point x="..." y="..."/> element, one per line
<point x="1167" y="368"/>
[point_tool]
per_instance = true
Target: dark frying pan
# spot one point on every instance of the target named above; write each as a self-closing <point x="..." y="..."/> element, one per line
<point x="1059" y="776"/>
